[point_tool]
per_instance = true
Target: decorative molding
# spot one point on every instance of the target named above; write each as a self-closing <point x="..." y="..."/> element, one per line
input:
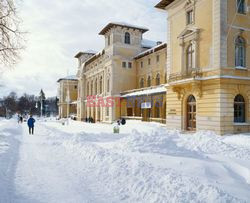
<point x="194" y="88"/>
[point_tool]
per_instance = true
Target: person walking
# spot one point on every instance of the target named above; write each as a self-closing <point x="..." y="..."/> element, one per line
<point x="31" y="122"/>
<point x="18" y="118"/>
<point x="21" y="119"/>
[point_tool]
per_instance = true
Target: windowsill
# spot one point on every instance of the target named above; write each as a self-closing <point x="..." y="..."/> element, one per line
<point x="190" y="24"/>
<point x="242" y="14"/>
<point x="240" y="68"/>
<point x="241" y="124"/>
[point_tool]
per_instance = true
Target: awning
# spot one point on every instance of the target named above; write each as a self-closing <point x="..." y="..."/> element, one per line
<point x="151" y="91"/>
<point x="74" y="102"/>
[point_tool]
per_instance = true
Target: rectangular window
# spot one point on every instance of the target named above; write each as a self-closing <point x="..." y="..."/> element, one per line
<point x="129" y="65"/>
<point x="141" y="64"/>
<point x="157" y="58"/>
<point x="241" y="6"/>
<point x="149" y="61"/>
<point x="124" y="64"/>
<point x="190" y="16"/>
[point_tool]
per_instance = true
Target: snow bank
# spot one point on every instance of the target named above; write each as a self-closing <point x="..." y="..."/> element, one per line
<point x="148" y="163"/>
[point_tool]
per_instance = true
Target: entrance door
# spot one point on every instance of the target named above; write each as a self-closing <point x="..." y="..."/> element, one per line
<point x="191" y="113"/>
<point x="146" y="114"/>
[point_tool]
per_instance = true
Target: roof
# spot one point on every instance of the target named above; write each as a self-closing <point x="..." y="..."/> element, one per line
<point x="163" y="3"/>
<point x="110" y="25"/>
<point x="85" y="52"/>
<point x="70" y="77"/>
<point x="146" y="43"/>
<point x="94" y="57"/>
<point x="143" y="92"/>
<point x="150" y="51"/>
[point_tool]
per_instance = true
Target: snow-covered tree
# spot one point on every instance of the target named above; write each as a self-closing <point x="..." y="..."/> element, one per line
<point x="11" y="37"/>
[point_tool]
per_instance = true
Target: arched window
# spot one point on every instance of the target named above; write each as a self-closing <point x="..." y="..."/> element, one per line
<point x="142" y="83"/>
<point x="101" y="85"/>
<point x="108" y="85"/>
<point x="127" y="38"/>
<point x="158" y="79"/>
<point x="190" y="57"/>
<point x="88" y="89"/>
<point x="91" y="88"/>
<point x="108" y="40"/>
<point x="239" y="109"/>
<point x="96" y="92"/>
<point x="241" y="6"/>
<point x="240" y="52"/>
<point x="149" y="81"/>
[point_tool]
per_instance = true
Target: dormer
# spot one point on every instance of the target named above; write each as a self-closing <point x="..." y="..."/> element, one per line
<point x="122" y="34"/>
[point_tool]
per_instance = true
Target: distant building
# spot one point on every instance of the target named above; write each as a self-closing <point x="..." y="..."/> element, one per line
<point x="119" y="69"/>
<point x="67" y="95"/>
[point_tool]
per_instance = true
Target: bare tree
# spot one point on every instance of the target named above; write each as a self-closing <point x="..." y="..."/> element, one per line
<point x="11" y="37"/>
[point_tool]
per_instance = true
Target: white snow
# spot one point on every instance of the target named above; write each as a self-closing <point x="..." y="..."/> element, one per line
<point x="148" y="43"/>
<point x="70" y="77"/>
<point x="91" y="51"/>
<point x="153" y="90"/>
<point x="83" y="162"/>
<point x="129" y="25"/>
<point x="151" y="50"/>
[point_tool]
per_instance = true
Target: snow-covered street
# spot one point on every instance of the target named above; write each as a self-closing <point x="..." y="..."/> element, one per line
<point x="144" y="163"/>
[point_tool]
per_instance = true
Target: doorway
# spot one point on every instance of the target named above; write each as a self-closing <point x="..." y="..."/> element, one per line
<point x="191" y="113"/>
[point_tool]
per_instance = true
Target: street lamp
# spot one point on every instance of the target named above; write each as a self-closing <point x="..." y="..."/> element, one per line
<point x="41" y="107"/>
<point x="68" y="102"/>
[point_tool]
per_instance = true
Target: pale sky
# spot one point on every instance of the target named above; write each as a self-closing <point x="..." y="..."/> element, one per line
<point x="58" y="29"/>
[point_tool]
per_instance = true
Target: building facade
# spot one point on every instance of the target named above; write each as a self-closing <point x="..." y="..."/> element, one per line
<point x="198" y="80"/>
<point x="67" y="95"/>
<point x="208" y="65"/>
<point x="147" y="101"/>
<point x="105" y="76"/>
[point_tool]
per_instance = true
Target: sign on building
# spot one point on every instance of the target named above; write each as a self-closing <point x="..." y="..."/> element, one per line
<point x="146" y="105"/>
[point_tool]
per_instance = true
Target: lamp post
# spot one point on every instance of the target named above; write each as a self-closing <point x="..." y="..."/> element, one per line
<point x="68" y="102"/>
<point x="41" y="101"/>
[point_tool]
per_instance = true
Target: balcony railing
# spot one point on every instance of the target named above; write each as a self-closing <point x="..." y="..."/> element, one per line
<point x="181" y="76"/>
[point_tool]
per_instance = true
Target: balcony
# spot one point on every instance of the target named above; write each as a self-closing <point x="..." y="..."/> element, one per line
<point x="194" y="73"/>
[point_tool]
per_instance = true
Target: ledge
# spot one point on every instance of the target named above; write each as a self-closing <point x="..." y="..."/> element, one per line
<point x="241" y="124"/>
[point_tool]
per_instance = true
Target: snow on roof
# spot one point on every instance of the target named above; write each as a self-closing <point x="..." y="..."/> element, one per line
<point x="153" y="90"/>
<point x="123" y="24"/>
<point x="154" y="49"/>
<point x="85" y="52"/>
<point x="130" y="25"/>
<point x="70" y="77"/>
<point x="146" y="43"/>
<point x="91" y="51"/>
<point x="94" y="57"/>
<point x="163" y="3"/>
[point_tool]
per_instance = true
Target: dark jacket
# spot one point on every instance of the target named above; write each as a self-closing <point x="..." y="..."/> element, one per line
<point x="31" y="122"/>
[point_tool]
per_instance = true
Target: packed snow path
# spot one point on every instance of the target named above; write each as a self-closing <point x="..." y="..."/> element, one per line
<point x="144" y="163"/>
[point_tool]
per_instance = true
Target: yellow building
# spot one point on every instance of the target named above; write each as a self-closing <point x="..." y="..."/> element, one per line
<point x="147" y="101"/>
<point x="105" y="76"/>
<point x="198" y="80"/>
<point x="208" y="65"/>
<point x="67" y="94"/>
